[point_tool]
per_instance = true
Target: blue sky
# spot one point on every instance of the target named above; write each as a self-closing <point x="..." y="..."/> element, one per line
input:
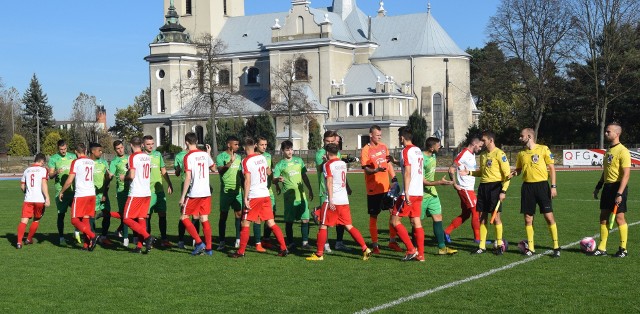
<point x="97" y="47"/>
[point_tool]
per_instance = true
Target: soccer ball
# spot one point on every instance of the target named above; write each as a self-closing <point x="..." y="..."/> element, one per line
<point x="523" y="246"/>
<point x="588" y="244"/>
<point x="505" y="245"/>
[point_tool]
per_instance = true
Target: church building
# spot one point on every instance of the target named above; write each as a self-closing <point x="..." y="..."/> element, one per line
<point x="353" y="68"/>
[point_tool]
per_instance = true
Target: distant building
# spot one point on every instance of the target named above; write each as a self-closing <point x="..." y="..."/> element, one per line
<point x="356" y="70"/>
<point x="99" y="124"/>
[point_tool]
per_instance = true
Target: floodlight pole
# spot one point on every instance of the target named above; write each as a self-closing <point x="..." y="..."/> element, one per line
<point x="445" y="133"/>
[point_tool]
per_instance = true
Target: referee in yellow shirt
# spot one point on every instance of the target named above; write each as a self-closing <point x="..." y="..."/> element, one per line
<point x="615" y="176"/>
<point x="494" y="181"/>
<point x="532" y="162"/>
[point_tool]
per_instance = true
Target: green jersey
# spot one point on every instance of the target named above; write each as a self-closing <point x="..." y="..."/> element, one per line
<point x="230" y="179"/>
<point x="429" y="174"/>
<point x="319" y="163"/>
<point x="179" y="163"/>
<point x="267" y="156"/>
<point x="291" y="171"/>
<point x="117" y="168"/>
<point x="58" y="162"/>
<point x="99" y="171"/>
<point x="157" y="163"/>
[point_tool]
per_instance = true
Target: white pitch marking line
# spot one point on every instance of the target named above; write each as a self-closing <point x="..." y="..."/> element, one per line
<point x="472" y="278"/>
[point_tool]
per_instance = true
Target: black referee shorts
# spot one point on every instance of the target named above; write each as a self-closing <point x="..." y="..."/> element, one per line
<point x="488" y="196"/>
<point x="608" y="197"/>
<point x="535" y="193"/>
<point x="375" y="204"/>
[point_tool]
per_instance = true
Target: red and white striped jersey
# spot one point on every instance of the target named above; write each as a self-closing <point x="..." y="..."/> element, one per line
<point x="141" y="184"/>
<point x="466" y="160"/>
<point x="412" y="156"/>
<point x="337" y="169"/>
<point x="198" y="162"/>
<point x="32" y="179"/>
<point x="255" y="167"/>
<point x="83" y="169"/>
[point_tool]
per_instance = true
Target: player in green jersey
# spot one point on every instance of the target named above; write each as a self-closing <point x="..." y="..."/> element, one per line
<point x="118" y="169"/>
<point x="321" y="157"/>
<point x="228" y="163"/>
<point x="101" y="178"/>
<point x="158" y="197"/>
<point x="261" y="246"/>
<point x="59" y="166"/>
<point x="430" y="201"/>
<point x="179" y="172"/>
<point x="292" y="173"/>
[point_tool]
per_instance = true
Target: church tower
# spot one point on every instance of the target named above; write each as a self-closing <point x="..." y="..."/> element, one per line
<point x="206" y="16"/>
<point x="172" y="61"/>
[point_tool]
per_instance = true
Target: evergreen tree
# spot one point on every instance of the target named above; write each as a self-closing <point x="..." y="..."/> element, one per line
<point x="418" y="126"/>
<point x="315" y="138"/>
<point x="50" y="145"/>
<point x="18" y="146"/>
<point x="262" y="125"/>
<point x="226" y="127"/>
<point x="35" y="106"/>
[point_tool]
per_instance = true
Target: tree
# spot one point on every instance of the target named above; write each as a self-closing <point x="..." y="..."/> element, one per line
<point x="289" y="93"/>
<point x="315" y="138"/>
<point x="83" y="116"/>
<point x="261" y="125"/>
<point x="127" y="122"/>
<point x="226" y="127"/>
<point x="492" y="74"/>
<point x="38" y="115"/>
<point x="143" y="101"/>
<point x="18" y="146"/>
<point x="604" y="28"/>
<point x="418" y="126"/>
<point x="535" y="33"/>
<point x="7" y="98"/>
<point x="50" y="145"/>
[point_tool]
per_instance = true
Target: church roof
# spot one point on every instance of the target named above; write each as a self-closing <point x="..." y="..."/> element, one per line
<point x="249" y="33"/>
<point x="412" y="34"/>
<point x="250" y="102"/>
<point x="362" y="78"/>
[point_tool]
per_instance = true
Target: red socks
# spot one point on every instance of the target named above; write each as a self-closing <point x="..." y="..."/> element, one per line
<point x="373" y="229"/>
<point x="244" y="239"/>
<point x="206" y="228"/>
<point x="32" y="229"/>
<point x="392" y="231"/>
<point x="419" y="234"/>
<point x="188" y="225"/>
<point x="475" y="223"/>
<point x="358" y="237"/>
<point x="139" y="227"/>
<point x="115" y="215"/>
<point x="278" y="233"/>
<point x="322" y="239"/>
<point x="404" y="236"/>
<point x="83" y="226"/>
<point x="21" y="228"/>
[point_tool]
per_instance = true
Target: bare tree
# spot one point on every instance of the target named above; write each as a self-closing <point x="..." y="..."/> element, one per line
<point x="83" y="117"/>
<point x="534" y="32"/>
<point x="207" y="92"/>
<point x="598" y="25"/>
<point x="289" y="89"/>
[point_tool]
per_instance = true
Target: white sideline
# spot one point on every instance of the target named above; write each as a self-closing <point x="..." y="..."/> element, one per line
<point x="472" y="278"/>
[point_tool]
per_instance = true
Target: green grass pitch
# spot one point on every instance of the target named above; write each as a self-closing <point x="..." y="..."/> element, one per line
<point x="47" y="278"/>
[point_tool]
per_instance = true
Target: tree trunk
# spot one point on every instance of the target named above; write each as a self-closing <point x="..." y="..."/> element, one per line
<point x="214" y="129"/>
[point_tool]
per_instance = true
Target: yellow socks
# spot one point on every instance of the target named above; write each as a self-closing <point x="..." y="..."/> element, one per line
<point x="624" y="231"/>
<point x="553" y="229"/>
<point x="483" y="236"/>
<point x="604" y="235"/>
<point x="499" y="234"/>
<point x="529" y="230"/>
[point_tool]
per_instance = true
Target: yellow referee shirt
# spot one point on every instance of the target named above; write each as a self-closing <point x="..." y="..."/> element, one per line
<point x="533" y="163"/>
<point x="615" y="159"/>
<point x="494" y="167"/>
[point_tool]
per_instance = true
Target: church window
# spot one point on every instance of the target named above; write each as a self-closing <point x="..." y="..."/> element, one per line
<point x="300" y="25"/>
<point x="369" y="109"/>
<point x="302" y="69"/>
<point x="224" y="6"/>
<point x="188" y="9"/>
<point x="360" y="113"/>
<point x="349" y="110"/>
<point x="437" y="113"/>
<point x="253" y="76"/>
<point x="161" y="104"/>
<point x="223" y="78"/>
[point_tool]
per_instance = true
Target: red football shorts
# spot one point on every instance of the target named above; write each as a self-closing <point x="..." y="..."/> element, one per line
<point x="32" y="210"/>
<point x="260" y="209"/>
<point x="331" y="218"/>
<point x="468" y="199"/>
<point x="197" y="206"/>
<point x="83" y="206"/>
<point x="401" y="208"/>
<point x="136" y="207"/>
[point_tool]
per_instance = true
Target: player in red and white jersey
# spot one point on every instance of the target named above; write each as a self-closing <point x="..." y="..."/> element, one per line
<point x="466" y="160"/>
<point x="36" y="198"/>
<point x="196" y="192"/>
<point x="410" y="204"/>
<point x="137" y="205"/>
<point x="83" y="207"/>
<point x="335" y="210"/>
<point x="257" y="200"/>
